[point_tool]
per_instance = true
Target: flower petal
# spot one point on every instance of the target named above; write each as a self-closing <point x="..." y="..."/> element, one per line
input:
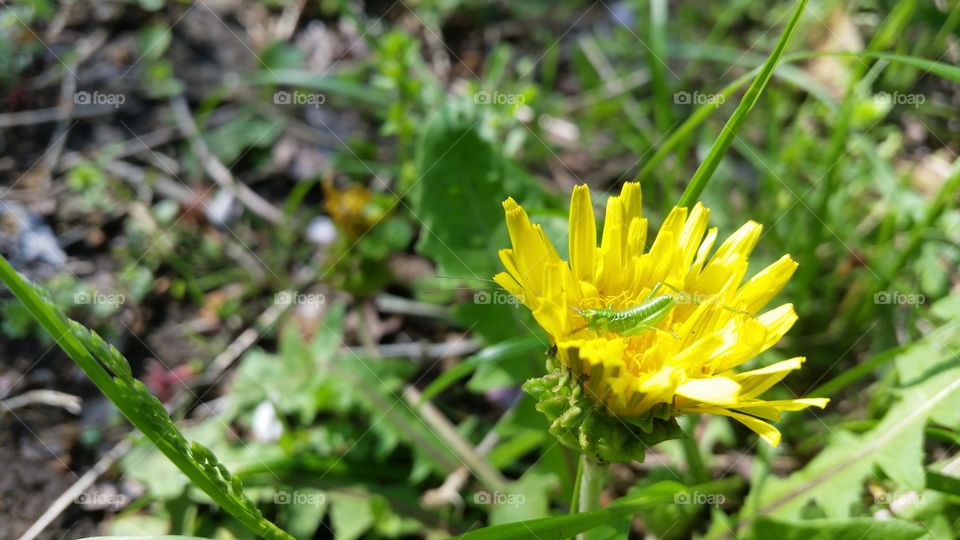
<point x="583" y="234"/>
<point x="713" y="390"/>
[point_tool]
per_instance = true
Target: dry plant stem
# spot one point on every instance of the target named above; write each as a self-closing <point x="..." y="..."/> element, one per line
<point x="217" y="170"/>
<point x="52" y="398"/>
<point x="592" y="477"/>
<point x="449" y="491"/>
<point x="447" y="432"/>
<point x="423" y="351"/>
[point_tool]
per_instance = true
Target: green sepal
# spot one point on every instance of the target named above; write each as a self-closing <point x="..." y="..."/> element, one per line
<point x="589" y="427"/>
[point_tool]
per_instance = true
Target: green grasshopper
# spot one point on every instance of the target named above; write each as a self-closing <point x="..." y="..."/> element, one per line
<point x="632" y="321"/>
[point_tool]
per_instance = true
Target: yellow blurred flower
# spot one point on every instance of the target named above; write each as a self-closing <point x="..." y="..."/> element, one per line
<point x="688" y="364"/>
<point x="351" y="208"/>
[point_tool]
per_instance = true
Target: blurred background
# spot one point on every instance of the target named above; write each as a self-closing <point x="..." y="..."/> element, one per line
<point x="286" y="213"/>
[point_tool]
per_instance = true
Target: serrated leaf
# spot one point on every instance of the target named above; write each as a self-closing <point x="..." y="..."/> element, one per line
<point x="834" y="479"/>
<point x="462" y="179"/>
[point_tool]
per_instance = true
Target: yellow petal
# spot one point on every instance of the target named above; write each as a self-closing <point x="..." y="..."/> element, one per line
<point x="766" y="431"/>
<point x="631" y="208"/>
<point x="631" y="201"/>
<point x="771" y="409"/>
<point x="755" y="382"/>
<point x="692" y="233"/>
<point x="610" y="248"/>
<point x="741" y="243"/>
<point x="762" y="287"/>
<point x="777" y="321"/>
<point x="715" y="390"/>
<point x="583" y="233"/>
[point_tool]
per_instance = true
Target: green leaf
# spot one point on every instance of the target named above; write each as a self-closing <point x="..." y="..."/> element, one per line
<point x="463" y="179"/>
<point x="929" y="373"/>
<point x="525" y="499"/>
<point x="350" y="515"/>
<point x="829" y="529"/>
<point x="153" y="40"/>
<point x="110" y="372"/>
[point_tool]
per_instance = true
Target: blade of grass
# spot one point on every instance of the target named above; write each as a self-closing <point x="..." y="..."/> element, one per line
<point x="110" y="372"/>
<point x="567" y="526"/>
<point x="730" y="129"/>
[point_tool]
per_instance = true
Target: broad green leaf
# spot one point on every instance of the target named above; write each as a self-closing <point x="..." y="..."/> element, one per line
<point x="462" y="179"/>
<point x="350" y="515"/>
<point x="929" y="383"/>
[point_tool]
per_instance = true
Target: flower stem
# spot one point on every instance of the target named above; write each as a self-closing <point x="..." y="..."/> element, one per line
<point x="591" y="480"/>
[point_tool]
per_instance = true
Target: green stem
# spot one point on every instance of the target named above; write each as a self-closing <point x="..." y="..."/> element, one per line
<point x="591" y="480"/>
<point x="692" y="452"/>
<point x="575" y="498"/>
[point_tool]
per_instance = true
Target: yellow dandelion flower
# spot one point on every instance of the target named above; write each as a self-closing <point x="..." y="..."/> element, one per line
<point x="686" y="361"/>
